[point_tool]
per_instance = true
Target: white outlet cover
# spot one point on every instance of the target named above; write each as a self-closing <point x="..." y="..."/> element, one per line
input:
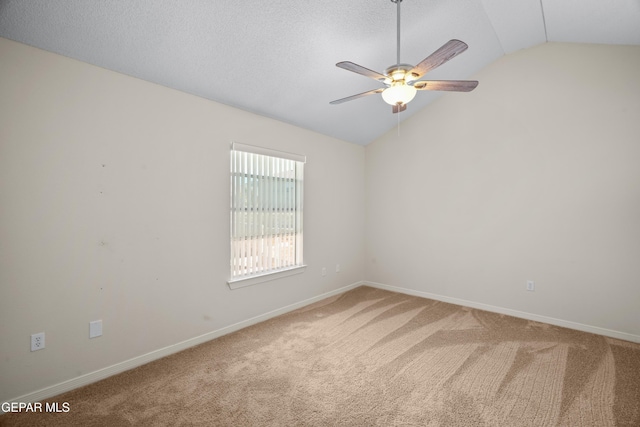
<point x="37" y="341"/>
<point x="95" y="328"/>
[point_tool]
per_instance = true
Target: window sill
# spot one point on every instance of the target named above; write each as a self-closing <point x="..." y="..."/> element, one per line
<point x="254" y="280"/>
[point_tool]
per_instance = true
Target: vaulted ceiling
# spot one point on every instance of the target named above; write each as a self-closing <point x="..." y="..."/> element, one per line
<point x="277" y="58"/>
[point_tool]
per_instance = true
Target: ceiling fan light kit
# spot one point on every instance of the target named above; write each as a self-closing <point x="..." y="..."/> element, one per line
<point x="402" y="82"/>
<point x="398" y="93"/>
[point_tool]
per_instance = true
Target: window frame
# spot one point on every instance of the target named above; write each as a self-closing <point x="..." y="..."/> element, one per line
<point x="298" y="267"/>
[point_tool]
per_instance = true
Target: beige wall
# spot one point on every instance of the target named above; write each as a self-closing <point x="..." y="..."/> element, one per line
<point x="533" y="176"/>
<point x="114" y="205"/>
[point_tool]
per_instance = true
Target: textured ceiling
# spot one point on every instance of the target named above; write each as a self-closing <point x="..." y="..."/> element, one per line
<point x="277" y="58"/>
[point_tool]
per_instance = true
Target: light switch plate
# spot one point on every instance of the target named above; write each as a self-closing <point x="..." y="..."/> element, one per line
<point x="95" y="328"/>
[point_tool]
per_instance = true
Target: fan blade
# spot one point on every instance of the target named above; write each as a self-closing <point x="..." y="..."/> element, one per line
<point x="398" y="108"/>
<point x="448" y="51"/>
<point x="360" y="95"/>
<point x="350" y="66"/>
<point x="449" y="85"/>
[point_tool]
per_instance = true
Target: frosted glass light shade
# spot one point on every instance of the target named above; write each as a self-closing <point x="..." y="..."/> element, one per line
<point x="398" y="94"/>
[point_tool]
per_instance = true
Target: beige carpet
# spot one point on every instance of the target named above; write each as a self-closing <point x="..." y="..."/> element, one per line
<point x="371" y="357"/>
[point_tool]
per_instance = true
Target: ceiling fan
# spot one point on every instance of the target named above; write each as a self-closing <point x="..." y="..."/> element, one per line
<point x="401" y="81"/>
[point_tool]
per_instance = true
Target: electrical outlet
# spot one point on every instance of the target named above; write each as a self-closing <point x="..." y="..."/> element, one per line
<point x="531" y="286"/>
<point x="337" y="268"/>
<point x="37" y="341"/>
<point x="323" y="271"/>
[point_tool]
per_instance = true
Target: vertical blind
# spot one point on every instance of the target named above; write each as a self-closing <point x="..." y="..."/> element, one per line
<point x="266" y="211"/>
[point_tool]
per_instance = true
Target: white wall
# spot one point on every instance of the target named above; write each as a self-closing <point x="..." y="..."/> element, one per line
<point x="533" y="176"/>
<point x="114" y="205"/>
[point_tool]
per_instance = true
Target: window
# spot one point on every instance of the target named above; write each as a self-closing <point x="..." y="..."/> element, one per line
<point x="266" y="214"/>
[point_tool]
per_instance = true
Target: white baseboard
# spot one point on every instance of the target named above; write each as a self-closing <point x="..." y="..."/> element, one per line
<point x="515" y="313"/>
<point x="100" y="374"/>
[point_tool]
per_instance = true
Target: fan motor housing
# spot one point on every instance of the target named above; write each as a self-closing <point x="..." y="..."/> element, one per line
<point x="400" y="72"/>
